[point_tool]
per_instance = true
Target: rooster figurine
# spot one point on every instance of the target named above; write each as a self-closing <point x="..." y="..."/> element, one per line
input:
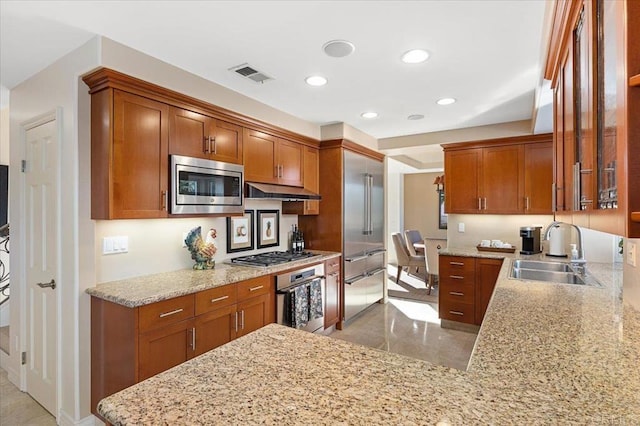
<point x="202" y="251"/>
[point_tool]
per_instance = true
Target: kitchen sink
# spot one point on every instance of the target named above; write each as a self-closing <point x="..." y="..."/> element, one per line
<point x="551" y="276"/>
<point x="542" y="266"/>
<point x="555" y="272"/>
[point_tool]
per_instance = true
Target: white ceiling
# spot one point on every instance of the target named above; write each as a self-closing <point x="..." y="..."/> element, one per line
<point x="486" y="54"/>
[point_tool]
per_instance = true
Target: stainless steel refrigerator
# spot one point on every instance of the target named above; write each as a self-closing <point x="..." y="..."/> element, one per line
<point x="363" y="222"/>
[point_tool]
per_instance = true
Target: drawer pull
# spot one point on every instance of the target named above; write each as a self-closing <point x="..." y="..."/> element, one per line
<point x="456" y="313"/>
<point x="217" y="299"/>
<point x="456" y="293"/>
<point x="193" y="339"/>
<point x="236" y="321"/>
<point x="456" y="277"/>
<point x="333" y="265"/>
<point x="242" y="319"/>
<point x="456" y="263"/>
<point x="256" y="288"/>
<point x="166" y="314"/>
<point x="333" y="274"/>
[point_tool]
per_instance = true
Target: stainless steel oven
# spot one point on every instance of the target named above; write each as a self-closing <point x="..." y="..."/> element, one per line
<point x="300" y="298"/>
<point x="200" y="186"/>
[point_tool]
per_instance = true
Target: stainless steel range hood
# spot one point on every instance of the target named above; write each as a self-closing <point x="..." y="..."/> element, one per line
<point x="278" y="192"/>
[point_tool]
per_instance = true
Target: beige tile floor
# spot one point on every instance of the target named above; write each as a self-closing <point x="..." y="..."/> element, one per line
<point x="18" y="408"/>
<point x="409" y="328"/>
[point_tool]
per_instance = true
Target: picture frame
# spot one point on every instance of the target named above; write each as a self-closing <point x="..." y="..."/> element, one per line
<point x="240" y="232"/>
<point x="443" y="218"/>
<point x="268" y="228"/>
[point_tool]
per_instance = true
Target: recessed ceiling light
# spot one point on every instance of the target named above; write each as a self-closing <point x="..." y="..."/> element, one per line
<point x="316" y="80"/>
<point x="369" y="114"/>
<point x="415" y="56"/>
<point x="338" y="48"/>
<point x="445" y="101"/>
<point x="415" y="117"/>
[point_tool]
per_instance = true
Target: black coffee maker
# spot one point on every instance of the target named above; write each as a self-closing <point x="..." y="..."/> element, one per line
<point x="530" y="239"/>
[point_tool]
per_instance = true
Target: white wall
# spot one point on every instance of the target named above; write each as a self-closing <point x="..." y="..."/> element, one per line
<point x="394" y="210"/>
<point x="631" y="280"/>
<point x="56" y="86"/>
<point x="156" y="245"/>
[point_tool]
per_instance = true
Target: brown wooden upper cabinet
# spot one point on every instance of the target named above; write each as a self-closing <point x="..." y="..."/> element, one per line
<point x="592" y="61"/>
<point x="197" y="135"/>
<point x="501" y="176"/>
<point x="311" y="175"/>
<point x="269" y="159"/>
<point x="129" y="156"/>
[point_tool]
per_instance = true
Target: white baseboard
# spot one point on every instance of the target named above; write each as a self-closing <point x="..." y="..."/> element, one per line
<point x="90" y="420"/>
<point x="12" y="375"/>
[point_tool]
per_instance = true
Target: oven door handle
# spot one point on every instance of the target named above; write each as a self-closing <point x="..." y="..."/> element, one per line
<point x="286" y="290"/>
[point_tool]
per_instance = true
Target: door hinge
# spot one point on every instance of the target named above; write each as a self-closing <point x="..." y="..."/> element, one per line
<point x="23" y="166"/>
<point x="24" y="358"/>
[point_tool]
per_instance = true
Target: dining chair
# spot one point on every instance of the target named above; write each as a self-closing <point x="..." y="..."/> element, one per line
<point x="412" y="236"/>
<point x="432" y="245"/>
<point x="406" y="259"/>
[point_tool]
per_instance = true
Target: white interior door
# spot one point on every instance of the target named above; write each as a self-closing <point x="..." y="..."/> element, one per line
<point x="41" y="232"/>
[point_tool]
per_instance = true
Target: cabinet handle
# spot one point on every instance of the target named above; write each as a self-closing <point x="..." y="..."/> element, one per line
<point x="215" y="145"/>
<point x="242" y="319"/>
<point x="277" y="170"/>
<point x="485" y="203"/>
<point x="256" y="288"/>
<point x="526" y="203"/>
<point x="163" y="195"/>
<point x="456" y="263"/>
<point x="193" y="339"/>
<point x="217" y="299"/>
<point x="333" y="274"/>
<point x="236" y="322"/>
<point x="456" y="313"/>
<point x="333" y="265"/>
<point x="456" y="277"/>
<point x="205" y="144"/>
<point x="456" y="293"/>
<point x="166" y="314"/>
<point x="479" y="203"/>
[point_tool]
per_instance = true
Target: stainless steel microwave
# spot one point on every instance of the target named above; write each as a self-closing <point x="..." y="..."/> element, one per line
<point x="200" y="186"/>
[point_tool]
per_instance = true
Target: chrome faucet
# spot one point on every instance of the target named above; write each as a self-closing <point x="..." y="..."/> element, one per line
<point x="545" y="237"/>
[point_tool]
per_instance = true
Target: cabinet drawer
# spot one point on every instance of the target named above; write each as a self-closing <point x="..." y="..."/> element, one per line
<point x="254" y="287"/>
<point x="166" y="312"/>
<point x="456" y="311"/>
<point x="458" y="268"/>
<point x="457" y="293"/>
<point x="215" y="298"/>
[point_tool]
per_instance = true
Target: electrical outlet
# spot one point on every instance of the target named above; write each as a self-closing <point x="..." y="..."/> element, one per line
<point x="631" y="253"/>
<point x="461" y="227"/>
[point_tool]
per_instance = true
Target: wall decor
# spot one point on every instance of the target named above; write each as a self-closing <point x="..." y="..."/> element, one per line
<point x="268" y="228"/>
<point x="240" y="232"/>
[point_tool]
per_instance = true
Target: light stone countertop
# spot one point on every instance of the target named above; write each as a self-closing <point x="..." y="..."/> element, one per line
<point x="139" y="291"/>
<point x="545" y="354"/>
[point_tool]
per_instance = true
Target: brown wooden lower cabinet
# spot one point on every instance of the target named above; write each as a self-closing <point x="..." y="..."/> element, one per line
<point x="332" y="292"/>
<point x="466" y="286"/>
<point x="129" y="345"/>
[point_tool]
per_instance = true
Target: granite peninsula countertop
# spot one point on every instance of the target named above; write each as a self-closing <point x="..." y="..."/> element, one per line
<point x="545" y="354"/>
<point x="143" y="290"/>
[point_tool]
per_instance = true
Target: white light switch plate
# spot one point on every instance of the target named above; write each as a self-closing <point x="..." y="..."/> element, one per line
<point x="631" y="253"/>
<point x="461" y="227"/>
<point x="113" y="245"/>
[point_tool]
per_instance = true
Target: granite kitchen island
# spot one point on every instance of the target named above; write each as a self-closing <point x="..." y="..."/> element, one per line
<point x="546" y="353"/>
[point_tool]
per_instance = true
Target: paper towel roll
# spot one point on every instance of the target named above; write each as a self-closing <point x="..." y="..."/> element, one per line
<point x="556" y="241"/>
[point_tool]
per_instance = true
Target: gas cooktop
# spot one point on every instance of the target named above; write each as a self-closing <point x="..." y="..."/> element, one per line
<point x="271" y="258"/>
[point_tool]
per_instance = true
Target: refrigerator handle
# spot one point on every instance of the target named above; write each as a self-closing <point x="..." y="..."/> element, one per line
<point x="368" y="185"/>
<point x="370" y="204"/>
<point x="365" y="231"/>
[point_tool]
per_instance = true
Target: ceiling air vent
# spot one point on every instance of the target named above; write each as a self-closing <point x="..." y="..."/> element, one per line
<point x="247" y="71"/>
